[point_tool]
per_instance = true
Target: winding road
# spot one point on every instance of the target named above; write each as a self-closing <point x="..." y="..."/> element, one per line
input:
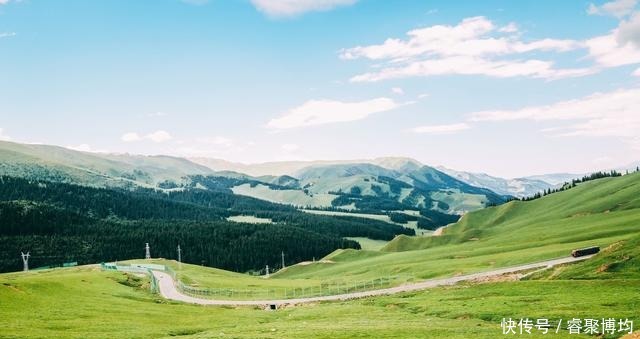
<point x="168" y="288"/>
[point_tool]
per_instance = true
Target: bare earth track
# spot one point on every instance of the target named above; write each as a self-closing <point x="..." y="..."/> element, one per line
<point x="168" y="288"/>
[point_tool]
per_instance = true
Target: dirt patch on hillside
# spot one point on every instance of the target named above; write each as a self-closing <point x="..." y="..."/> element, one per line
<point x="305" y="263"/>
<point x="498" y="278"/>
<point x="12" y="287"/>
<point x="438" y="231"/>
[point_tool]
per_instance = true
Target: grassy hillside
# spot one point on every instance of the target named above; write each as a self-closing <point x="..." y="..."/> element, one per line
<point x="45" y="162"/>
<point x="588" y="211"/>
<point x="604" y="213"/>
<point x="600" y="212"/>
<point x="60" y="222"/>
<point x="113" y="304"/>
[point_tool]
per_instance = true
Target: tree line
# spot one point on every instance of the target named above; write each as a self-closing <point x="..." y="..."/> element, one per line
<point x="57" y="222"/>
<point x="574" y="183"/>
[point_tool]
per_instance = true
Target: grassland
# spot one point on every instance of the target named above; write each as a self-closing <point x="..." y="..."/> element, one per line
<point x="369" y="244"/>
<point x="85" y="302"/>
<point x="599" y="212"/>
<point x="381" y="217"/>
<point x="292" y="197"/>
<point x="88" y="303"/>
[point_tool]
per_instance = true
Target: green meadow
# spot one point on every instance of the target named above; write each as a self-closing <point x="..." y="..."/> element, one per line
<point x="85" y="302"/>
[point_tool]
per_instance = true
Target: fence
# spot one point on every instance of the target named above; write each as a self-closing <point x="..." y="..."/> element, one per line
<point x="137" y="268"/>
<point x="323" y="289"/>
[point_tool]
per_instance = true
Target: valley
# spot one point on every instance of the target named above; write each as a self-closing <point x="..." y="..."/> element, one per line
<point x="561" y="292"/>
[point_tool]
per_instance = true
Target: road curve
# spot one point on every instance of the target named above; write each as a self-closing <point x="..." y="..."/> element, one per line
<point x="168" y="288"/>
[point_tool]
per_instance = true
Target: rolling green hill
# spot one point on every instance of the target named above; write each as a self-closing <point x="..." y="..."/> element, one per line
<point x="599" y="212"/>
<point x="585" y="209"/>
<point x="61" y="222"/>
<point x="365" y="187"/>
<point x="114" y="304"/>
<point x="45" y="162"/>
<point x="602" y="212"/>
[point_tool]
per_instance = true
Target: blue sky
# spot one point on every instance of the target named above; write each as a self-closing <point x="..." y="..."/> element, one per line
<point x="511" y="88"/>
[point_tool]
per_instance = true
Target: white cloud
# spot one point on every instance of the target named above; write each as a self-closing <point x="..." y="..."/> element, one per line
<point x="441" y="129"/>
<point x="157" y="136"/>
<point x="4" y="136"/>
<point x="130" y="137"/>
<point x="397" y="90"/>
<point x="510" y="28"/>
<point x="7" y="34"/>
<point x="620" y="47"/>
<point x="319" y="112"/>
<point x="4" y="2"/>
<point x="629" y="31"/>
<point x="636" y="72"/>
<point x="470" y="48"/>
<point x="617" y="8"/>
<point x="466" y="65"/>
<point x="612" y="114"/>
<point x="285" y="8"/>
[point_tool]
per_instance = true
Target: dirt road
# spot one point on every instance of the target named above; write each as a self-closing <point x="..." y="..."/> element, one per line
<point x="168" y="288"/>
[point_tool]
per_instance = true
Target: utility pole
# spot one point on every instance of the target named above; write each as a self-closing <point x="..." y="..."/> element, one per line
<point x="147" y="254"/>
<point x="283" y="259"/>
<point x="179" y="257"/>
<point x="25" y="261"/>
<point x="267" y="271"/>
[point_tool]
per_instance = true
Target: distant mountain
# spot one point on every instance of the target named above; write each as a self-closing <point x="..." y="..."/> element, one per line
<point x="555" y="178"/>
<point x="275" y="168"/>
<point x="631" y="167"/>
<point x="45" y="162"/>
<point x="367" y="187"/>
<point x="518" y="187"/>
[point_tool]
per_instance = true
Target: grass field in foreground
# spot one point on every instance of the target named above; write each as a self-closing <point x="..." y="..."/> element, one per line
<point x="85" y="302"/>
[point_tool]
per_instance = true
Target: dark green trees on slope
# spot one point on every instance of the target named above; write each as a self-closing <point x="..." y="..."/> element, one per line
<point x="61" y="222"/>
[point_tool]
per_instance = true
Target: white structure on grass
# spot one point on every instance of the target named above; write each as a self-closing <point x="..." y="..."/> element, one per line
<point x="25" y="261"/>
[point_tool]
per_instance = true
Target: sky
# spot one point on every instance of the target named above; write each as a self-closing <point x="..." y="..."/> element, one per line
<point x="509" y="88"/>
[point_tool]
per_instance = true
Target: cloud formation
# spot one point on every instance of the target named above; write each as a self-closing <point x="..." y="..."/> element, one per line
<point x="618" y="48"/>
<point x="157" y="136"/>
<point x="613" y="114"/>
<point x="475" y="46"/>
<point x="288" y="8"/>
<point x="617" y="8"/>
<point x="319" y="112"/>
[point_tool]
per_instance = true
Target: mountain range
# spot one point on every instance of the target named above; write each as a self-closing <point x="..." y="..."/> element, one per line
<point x="371" y="185"/>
